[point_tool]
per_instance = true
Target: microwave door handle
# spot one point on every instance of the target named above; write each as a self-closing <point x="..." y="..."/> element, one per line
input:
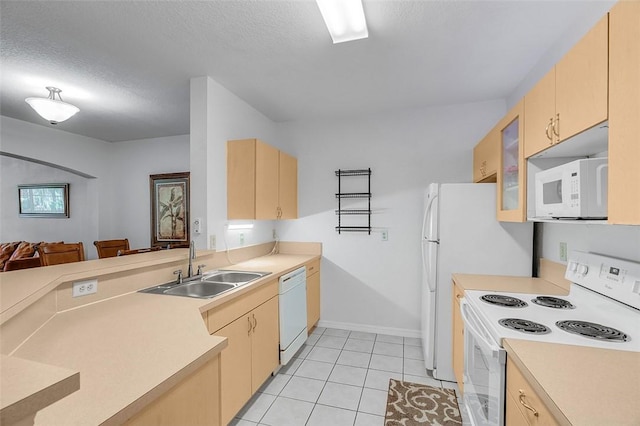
<point x="482" y="337"/>
<point x="601" y="182"/>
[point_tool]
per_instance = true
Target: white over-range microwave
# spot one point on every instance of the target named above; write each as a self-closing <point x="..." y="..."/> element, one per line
<point x="577" y="189"/>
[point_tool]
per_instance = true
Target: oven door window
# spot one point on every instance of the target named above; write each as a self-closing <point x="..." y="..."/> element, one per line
<point x="484" y="375"/>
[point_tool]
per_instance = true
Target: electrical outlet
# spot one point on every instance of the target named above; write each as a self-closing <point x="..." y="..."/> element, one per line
<point x="242" y="238"/>
<point x="273" y="232"/>
<point x="212" y="242"/>
<point x="563" y="251"/>
<point x="385" y="235"/>
<point x="83" y="288"/>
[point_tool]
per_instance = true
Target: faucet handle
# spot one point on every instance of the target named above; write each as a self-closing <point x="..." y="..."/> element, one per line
<point x="179" y="274"/>
<point x="200" y="269"/>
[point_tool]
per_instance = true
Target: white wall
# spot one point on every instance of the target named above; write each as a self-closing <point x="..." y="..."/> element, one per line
<point x="621" y="241"/>
<point x="133" y="162"/>
<point x="78" y="227"/>
<point x="217" y="115"/>
<point x="368" y="283"/>
<point x="113" y="203"/>
<point x="86" y="156"/>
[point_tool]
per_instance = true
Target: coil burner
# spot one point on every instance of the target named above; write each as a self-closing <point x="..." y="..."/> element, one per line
<point x="553" y="302"/>
<point x="593" y="331"/>
<point x="502" y="300"/>
<point x="524" y="326"/>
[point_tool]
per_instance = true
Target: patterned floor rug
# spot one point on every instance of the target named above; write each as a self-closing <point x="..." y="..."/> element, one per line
<point x="410" y="404"/>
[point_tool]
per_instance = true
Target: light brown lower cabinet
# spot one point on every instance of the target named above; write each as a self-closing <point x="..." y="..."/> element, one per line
<point x="522" y="398"/>
<point x="313" y="294"/>
<point x="458" y="338"/>
<point x="194" y="401"/>
<point x="250" y="357"/>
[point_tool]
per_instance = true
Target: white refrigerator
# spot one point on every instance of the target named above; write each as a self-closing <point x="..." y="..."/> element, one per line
<point x="460" y="234"/>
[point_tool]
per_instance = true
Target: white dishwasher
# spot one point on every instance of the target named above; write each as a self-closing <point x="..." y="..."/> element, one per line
<point x="292" y="293"/>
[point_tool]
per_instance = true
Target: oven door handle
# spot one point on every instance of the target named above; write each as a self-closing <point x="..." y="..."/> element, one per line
<point x="470" y="324"/>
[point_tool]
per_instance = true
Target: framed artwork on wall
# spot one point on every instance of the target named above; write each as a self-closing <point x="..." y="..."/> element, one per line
<point x="170" y="209"/>
<point x="44" y="200"/>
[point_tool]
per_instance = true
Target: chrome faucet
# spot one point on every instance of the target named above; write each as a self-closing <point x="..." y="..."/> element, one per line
<point x="192" y="255"/>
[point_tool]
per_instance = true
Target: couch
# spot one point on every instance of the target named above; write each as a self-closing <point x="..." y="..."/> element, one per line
<point x="19" y="255"/>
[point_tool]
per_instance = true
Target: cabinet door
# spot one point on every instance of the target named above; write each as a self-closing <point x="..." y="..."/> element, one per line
<point x="624" y="111"/>
<point x="313" y="300"/>
<point x="485" y="157"/>
<point x="241" y="179"/>
<point x="540" y="110"/>
<point x="513" y="416"/>
<point x="235" y="371"/>
<point x="193" y="401"/>
<point x="288" y="187"/>
<point x="265" y="342"/>
<point x="267" y="164"/>
<point x="512" y="172"/>
<point x="458" y="339"/>
<point x="582" y="83"/>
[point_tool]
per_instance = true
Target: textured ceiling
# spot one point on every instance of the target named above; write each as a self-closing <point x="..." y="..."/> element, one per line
<point x="127" y="64"/>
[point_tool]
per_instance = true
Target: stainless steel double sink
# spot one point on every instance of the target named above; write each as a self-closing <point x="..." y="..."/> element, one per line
<point x="208" y="285"/>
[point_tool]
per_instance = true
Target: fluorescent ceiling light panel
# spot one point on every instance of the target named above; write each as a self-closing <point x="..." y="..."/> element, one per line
<point x="344" y="19"/>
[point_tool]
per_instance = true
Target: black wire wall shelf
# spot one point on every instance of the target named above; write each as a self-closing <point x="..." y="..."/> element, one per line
<point x="341" y="211"/>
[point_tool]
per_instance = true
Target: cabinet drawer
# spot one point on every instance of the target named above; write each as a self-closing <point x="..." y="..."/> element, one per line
<point x="522" y="393"/>
<point x="224" y="314"/>
<point x="313" y="267"/>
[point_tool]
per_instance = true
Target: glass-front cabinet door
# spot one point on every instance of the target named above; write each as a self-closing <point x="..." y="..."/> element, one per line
<point x="511" y="172"/>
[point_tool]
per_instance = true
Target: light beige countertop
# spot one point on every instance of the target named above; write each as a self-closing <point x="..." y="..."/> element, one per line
<point x="131" y="348"/>
<point x="508" y="284"/>
<point x="28" y="386"/>
<point x="580" y="385"/>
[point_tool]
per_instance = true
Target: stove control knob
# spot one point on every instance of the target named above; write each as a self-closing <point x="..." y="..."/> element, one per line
<point x="583" y="269"/>
<point x="573" y="266"/>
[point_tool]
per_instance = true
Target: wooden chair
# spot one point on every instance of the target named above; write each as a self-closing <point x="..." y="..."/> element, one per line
<point x="26" y="263"/>
<point x="55" y="254"/>
<point x="136" y="251"/>
<point x="110" y="248"/>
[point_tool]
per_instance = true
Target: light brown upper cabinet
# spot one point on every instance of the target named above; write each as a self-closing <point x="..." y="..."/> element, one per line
<point x="485" y="157"/>
<point x="511" y="182"/>
<point x="572" y="97"/>
<point x="262" y="182"/>
<point x="624" y="113"/>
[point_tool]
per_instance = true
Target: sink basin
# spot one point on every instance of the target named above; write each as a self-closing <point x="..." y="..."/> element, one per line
<point x="201" y="289"/>
<point x="233" y="277"/>
<point x="207" y="286"/>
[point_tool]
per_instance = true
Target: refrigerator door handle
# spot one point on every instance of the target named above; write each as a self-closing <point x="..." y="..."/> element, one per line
<point x="426" y="268"/>
<point x="425" y="219"/>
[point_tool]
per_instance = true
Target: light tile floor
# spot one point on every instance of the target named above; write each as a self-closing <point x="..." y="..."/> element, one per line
<point x="338" y="378"/>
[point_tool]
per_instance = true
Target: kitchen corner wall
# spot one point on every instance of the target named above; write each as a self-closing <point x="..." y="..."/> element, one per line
<point x="370" y="284"/>
<point x="217" y="115"/>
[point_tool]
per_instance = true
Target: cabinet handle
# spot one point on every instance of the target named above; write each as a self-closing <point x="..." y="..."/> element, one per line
<point x="458" y="296"/>
<point x="556" y="126"/>
<point x="250" y="327"/>
<point x="255" y="322"/>
<point x="525" y="405"/>
<point x="547" y="131"/>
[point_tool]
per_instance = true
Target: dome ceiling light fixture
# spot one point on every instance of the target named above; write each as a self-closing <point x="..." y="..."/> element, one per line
<point x="51" y="109"/>
<point x="344" y="19"/>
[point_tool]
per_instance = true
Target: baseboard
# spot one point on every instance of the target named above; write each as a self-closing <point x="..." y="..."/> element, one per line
<point x="404" y="332"/>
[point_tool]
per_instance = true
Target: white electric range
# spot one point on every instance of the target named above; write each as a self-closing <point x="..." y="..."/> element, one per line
<point x="602" y="310"/>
